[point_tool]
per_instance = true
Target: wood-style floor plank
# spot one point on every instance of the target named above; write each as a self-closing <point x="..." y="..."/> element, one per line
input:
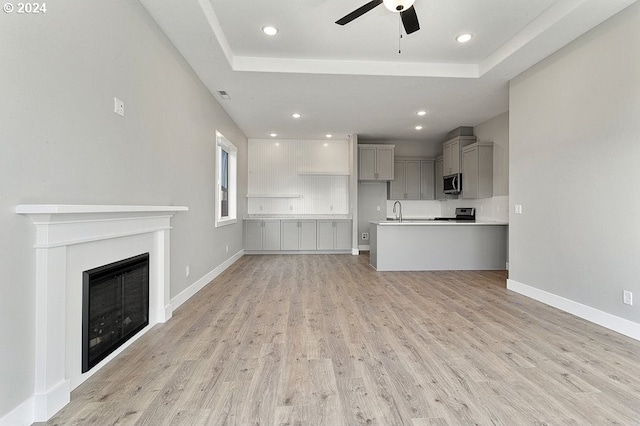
<point x="326" y="340"/>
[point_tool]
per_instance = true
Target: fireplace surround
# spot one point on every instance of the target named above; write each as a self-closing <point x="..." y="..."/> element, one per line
<point x="69" y="240"/>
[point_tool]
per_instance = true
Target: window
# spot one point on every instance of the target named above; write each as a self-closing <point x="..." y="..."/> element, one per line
<point x="226" y="182"/>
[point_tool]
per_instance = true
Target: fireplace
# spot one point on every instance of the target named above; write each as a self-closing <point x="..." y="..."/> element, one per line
<point x="71" y="240"/>
<point x="115" y="306"/>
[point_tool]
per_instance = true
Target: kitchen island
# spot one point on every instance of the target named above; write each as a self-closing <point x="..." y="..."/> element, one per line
<point x="429" y="245"/>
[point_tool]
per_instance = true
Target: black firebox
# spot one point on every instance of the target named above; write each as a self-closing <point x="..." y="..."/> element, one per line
<point x="115" y="306"/>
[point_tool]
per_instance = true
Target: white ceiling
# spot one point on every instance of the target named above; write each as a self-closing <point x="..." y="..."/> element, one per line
<point x="351" y="79"/>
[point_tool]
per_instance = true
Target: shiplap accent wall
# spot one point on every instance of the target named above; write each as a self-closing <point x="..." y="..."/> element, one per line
<point x="298" y="177"/>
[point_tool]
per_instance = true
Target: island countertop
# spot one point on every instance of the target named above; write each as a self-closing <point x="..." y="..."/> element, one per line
<point x="430" y="222"/>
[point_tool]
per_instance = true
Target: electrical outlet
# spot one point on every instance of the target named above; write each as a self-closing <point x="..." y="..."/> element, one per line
<point x="627" y="297"/>
<point x="378" y="208"/>
<point x="118" y="106"/>
<point x="518" y="208"/>
<point x="365" y="235"/>
<point x="187" y="271"/>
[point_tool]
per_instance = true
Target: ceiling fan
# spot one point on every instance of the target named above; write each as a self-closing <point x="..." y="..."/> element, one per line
<point x="404" y="7"/>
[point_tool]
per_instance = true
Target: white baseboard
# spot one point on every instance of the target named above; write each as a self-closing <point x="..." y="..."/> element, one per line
<point x="364" y="247"/>
<point x="355" y="252"/>
<point x="612" y="322"/>
<point x="187" y="293"/>
<point x="22" y="415"/>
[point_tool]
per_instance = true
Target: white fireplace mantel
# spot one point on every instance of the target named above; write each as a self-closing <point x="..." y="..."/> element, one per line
<point x="72" y="238"/>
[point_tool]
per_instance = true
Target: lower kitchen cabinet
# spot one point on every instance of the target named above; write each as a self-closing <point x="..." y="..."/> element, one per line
<point x="298" y="235"/>
<point x="262" y="235"/>
<point x="334" y="235"/>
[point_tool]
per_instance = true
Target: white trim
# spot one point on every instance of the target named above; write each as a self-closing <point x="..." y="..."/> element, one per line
<point x="355" y="252"/>
<point x="612" y="322"/>
<point x="190" y="291"/>
<point x="363" y="247"/>
<point x="21" y="415"/>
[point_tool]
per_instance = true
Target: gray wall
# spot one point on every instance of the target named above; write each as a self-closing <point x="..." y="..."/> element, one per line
<point x="496" y="130"/>
<point x="574" y="158"/>
<point x="62" y="143"/>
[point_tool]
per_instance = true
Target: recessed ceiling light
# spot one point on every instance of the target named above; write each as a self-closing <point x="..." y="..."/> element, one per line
<point x="418" y="127"/>
<point x="329" y="135"/>
<point x="269" y="30"/>
<point x="273" y="135"/>
<point x="295" y="115"/>
<point x="463" y="38"/>
<point x="421" y="113"/>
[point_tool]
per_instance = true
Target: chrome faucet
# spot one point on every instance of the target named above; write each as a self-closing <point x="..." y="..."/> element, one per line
<point x="399" y="214"/>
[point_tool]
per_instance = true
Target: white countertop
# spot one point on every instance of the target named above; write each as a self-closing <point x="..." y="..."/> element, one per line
<point x="431" y="222"/>
<point x="297" y="217"/>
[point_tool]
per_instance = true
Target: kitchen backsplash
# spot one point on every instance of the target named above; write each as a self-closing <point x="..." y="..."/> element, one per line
<point x="495" y="208"/>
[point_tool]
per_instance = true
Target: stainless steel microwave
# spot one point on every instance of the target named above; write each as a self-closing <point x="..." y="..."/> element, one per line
<point x="453" y="184"/>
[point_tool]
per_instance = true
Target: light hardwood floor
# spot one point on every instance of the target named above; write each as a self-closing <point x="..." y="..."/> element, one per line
<point x="326" y="340"/>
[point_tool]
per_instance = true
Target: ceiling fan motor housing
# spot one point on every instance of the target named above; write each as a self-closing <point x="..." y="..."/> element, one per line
<point x="398" y="5"/>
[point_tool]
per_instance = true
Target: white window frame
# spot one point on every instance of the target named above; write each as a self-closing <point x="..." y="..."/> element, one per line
<point x="223" y="143"/>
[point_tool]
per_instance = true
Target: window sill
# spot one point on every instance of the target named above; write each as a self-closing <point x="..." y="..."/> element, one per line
<point x="225" y="222"/>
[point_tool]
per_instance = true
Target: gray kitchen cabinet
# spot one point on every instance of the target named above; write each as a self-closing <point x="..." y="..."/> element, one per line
<point x="262" y="235"/>
<point x="334" y="234"/>
<point x="477" y="170"/>
<point x="375" y="162"/>
<point x="439" y="175"/>
<point x="451" y="152"/>
<point x="409" y="182"/>
<point x="427" y="189"/>
<point x="298" y="235"/>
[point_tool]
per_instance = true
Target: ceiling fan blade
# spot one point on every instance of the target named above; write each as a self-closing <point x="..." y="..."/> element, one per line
<point x="358" y="12"/>
<point x="410" y="20"/>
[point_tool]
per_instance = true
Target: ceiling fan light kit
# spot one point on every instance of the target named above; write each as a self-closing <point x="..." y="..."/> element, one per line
<point x="404" y="7"/>
<point x="398" y="5"/>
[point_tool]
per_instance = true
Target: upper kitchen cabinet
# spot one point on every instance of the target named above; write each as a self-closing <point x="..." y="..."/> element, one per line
<point x="427" y="173"/>
<point x="451" y="151"/>
<point x="439" y="175"/>
<point x="413" y="179"/>
<point x="477" y="170"/>
<point x="375" y="162"/>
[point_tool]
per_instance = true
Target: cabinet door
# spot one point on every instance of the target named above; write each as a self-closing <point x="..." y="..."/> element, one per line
<point x="367" y="163"/>
<point x="470" y="173"/>
<point x="426" y="180"/>
<point x="412" y="180"/>
<point x="384" y="158"/>
<point x="307" y="233"/>
<point x="446" y="157"/>
<point x="271" y="235"/>
<point x="290" y="235"/>
<point x="397" y="185"/>
<point x="342" y="235"/>
<point x="439" y="175"/>
<point x="455" y="157"/>
<point x="253" y="235"/>
<point x="325" y="235"/>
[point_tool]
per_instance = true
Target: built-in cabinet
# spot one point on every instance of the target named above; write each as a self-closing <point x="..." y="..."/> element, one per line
<point x="375" y="162"/>
<point x="477" y="170"/>
<point x="334" y="234"/>
<point x="262" y="235"/>
<point x="298" y="235"/>
<point x="413" y="179"/>
<point x="451" y="152"/>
